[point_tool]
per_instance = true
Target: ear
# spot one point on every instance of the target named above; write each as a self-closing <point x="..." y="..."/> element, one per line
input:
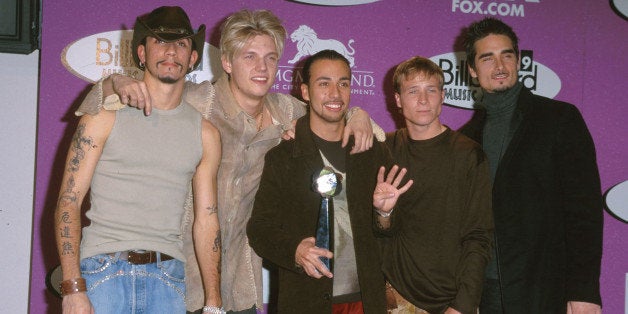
<point x="193" y="58"/>
<point x="442" y="96"/>
<point x="398" y="100"/>
<point x="472" y="71"/>
<point x="519" y="62"/>
<point x="305" y="92"/>
<point x="226" y="64"/>
<point x="141" y="53"/>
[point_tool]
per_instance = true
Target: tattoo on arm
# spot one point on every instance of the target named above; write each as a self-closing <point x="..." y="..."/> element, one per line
<point x="212" y="209"/>
<point x="217" y="242"/>
<point x="217" y="245"/>
<point x="79" y="144"/>
<point x="67" y="248"/>
<point x="69" y="197"/>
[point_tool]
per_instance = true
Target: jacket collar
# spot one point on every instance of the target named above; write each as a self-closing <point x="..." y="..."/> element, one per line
<point x="304" y="138"/>
<point x="517" y="130"/>
<point x="226" y="98"/>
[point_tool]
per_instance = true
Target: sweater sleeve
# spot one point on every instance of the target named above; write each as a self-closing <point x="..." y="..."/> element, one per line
<point x="476" y="235"/>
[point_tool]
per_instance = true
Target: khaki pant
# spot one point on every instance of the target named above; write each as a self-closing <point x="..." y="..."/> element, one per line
<point x="398" y="305"/>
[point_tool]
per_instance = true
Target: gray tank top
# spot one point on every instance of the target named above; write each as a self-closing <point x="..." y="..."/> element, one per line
<point x="141" y="182"/>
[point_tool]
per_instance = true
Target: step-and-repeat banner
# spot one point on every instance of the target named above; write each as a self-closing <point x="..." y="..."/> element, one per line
<point x="573" y="51"/>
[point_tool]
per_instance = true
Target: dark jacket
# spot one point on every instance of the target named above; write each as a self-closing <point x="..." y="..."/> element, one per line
<point x="286" y="212"/>
<point x="548" y="208"/>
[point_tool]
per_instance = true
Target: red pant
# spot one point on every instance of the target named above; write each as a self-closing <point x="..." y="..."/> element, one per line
<point x="348" y="308"/>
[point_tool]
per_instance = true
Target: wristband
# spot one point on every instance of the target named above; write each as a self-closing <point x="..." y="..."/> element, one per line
<point x="213" y="310"/>
<point x="72" y="286"/>
<point x="384" y="214"/>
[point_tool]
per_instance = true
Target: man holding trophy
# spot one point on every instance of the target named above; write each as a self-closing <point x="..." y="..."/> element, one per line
<point x="311" y="176"/>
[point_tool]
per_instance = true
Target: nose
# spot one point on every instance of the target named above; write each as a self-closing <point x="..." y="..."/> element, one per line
<point x="334" y="90"/>
<point x="499" y="63"/>
<point x="422" y="98"/>
<point x="170" y="49"/>
<point x="261" y="64"/>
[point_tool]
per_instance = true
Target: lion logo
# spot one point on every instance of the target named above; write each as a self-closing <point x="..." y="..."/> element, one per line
<point x="308" y="44"/>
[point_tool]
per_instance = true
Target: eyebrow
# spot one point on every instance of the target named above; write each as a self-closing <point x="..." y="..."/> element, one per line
<point x="327" y="78"/>
<point x="413" y="87"/>
<point x="510" y="50"/>
<point x="255" y="52"/>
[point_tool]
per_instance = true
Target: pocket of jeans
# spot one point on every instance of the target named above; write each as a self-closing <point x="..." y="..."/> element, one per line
<point x="95" y="264"/>
<point x="173" y="269"/>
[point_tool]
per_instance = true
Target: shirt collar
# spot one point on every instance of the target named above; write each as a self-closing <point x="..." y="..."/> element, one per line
<point x="226" y="98"/>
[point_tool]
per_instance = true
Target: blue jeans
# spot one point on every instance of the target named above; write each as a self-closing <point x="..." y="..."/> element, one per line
<point x="116" y="286"/>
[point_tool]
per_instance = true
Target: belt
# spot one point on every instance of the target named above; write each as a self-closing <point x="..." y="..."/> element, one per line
<point x="140" y="257"/>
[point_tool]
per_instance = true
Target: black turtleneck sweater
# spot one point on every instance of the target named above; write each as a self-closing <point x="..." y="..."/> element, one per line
<point x="500" y="108"/>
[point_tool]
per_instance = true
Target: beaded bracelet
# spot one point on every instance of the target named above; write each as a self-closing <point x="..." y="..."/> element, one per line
<point x="384" y="214"/>
<point x="72" y="286"/>
<point x="213" y="310"/>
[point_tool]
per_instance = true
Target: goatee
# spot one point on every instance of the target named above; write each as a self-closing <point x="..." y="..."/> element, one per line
<point x="167" y="80"/>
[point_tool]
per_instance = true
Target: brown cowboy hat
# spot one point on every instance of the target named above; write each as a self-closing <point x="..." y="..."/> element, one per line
<point x="167" y="24"/>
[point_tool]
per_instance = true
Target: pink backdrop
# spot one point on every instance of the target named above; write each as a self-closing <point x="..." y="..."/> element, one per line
<point x="578" y="50"/>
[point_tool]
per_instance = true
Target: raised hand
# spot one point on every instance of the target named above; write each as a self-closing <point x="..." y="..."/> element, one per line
<point x="387" y="190"/>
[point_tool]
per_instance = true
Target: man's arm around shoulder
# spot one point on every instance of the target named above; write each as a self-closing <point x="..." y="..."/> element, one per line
<point x="118" y="91"/>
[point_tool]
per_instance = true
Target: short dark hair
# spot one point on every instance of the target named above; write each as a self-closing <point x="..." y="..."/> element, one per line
<point x="482" y="28"/>
<point x="417" y="65"/>
<point x="327" y="54"/>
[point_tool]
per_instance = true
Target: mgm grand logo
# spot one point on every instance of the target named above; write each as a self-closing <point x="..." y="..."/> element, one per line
<point x="307" y="43"/>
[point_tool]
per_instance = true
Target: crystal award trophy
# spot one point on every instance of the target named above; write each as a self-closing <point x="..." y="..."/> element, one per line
<point x="326" y="184"/>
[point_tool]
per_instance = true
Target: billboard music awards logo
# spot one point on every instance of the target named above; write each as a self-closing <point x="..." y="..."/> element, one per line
<point x="307" y="42"/>
<point x="616" y="199"/>
<point x="621" y="7"/>
<point x="99" y="55"/>
<point x="497" y="8"/>
<point x="461" y="90"/>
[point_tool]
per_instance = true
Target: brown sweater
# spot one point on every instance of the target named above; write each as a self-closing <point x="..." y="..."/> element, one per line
<point x="439" y="242"/>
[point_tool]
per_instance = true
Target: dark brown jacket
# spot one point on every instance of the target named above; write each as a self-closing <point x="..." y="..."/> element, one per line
<point x="286" y="212"/>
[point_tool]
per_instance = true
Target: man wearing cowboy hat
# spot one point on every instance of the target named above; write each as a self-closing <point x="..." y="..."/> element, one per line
<point x="130" y="258"/>
<point x="252" y="120"/>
